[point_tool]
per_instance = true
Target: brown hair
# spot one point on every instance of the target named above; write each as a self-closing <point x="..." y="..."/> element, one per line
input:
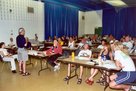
<point x="108" y="46"/>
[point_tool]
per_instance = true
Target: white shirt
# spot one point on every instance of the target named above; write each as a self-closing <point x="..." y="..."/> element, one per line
<point x="71" y="44"/>
<point x="85" y="53"/>
<point x="80" y="44"/>
<point x="100" y="47"/>
<point x="4" y="51"/>
<point x="125" y="60"/>
<point x="128" y="44"/>
<point x="89" y="42"/>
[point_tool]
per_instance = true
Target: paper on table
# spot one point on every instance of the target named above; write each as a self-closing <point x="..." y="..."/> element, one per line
<point x="109" y="64"/>
<point x="82" y="58"/>
<point x="90" y="63"/>
<point x="32" y="52"/>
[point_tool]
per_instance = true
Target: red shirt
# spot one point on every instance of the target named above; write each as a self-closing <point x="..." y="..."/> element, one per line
<point x="56" y="50"/>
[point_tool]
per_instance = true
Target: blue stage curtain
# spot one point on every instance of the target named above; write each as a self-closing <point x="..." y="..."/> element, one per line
<point x="119" y="23"/>
<point x="60" y="20"/>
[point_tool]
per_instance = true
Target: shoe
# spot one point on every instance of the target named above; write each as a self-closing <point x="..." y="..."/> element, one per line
<point x="20" y="72"/>
<point x="79" y="81"/>
<point x="56" y="68"/>
<point x="26" y="74"/>
<point x="66" y="78"/>
<point x="14" y="71"/>
<point x="89" y="82"/>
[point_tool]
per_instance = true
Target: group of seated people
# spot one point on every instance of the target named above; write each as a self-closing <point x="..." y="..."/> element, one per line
<point x="111" y="49"/>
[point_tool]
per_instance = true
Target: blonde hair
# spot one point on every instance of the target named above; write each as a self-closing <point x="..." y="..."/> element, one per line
<point x="119" y="46"/>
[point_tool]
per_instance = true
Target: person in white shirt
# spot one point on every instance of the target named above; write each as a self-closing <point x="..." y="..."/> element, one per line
<point x="8" y="57"/>
<point x="127" y="67"/>
<point x="71" y="43"/>
<point x="11" y="44"/>
<point x="81" y="44"/>
<point x="103" y="41"/>
<point x="128" y="43"/>
<point x="86" y="53"/>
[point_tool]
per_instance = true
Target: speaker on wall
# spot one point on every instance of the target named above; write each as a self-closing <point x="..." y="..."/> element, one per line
<point x="83" y="17"/>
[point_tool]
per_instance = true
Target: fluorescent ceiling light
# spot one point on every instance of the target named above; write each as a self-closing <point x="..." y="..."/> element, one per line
<point x="116" y="2"/>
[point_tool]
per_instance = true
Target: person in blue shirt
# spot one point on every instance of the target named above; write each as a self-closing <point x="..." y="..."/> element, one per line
<point x="22" y="53"/>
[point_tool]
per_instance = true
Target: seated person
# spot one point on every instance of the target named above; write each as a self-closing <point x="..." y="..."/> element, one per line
<point x="28" y="44"/>
<point x="103" y="42"/>
<point x="105" y="54"/>
<point x="8" y="57"/>
<point x="127" y="67"/>
<point x="60" y="41"/>
<point x="80" y="46"/>
<point x="71" y="43"/>
<point x="128" y="43"/>
<point x="11" y="44"/>
<point x="88" y="41"/>
<point x="83" y="53"/>
<point x="49" y="39"/>
<point x="56" y="49"/>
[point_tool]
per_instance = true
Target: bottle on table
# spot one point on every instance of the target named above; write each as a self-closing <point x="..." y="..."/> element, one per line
<point x="73" y="56"/>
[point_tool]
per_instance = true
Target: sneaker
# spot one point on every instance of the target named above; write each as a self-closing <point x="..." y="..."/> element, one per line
<point x="57" y="67"/>
<point x="14" y="71"/>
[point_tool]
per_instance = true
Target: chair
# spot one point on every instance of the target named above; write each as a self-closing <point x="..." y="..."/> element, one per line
<point x="3" y="63"/>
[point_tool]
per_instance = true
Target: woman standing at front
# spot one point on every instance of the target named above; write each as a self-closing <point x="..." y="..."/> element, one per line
<point x="22" y="53"/>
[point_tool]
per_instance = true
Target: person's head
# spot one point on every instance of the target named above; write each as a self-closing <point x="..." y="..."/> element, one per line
<point x="86" y="46"/>
<point x="83" y="40"/>
<point x="55" y="37"/>
<point x="107" y="47"/>
<point x="70" y="39"/>
<point x="21" y="31"/>
<point x="104" y="41"/>
<point x="11" y="39"/>
<point x="59" y="39"/>
<point x="127" y="38"/>
<point x="36" y="37"/>
<point x="112" y="44"/>
<point x="55" y="43"/>
<point x="119" y="46"/>
<point x="2" y="45"/>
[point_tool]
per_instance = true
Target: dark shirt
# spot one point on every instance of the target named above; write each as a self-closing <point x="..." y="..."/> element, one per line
<point x="106" y="56"/>
<point x="20" y="40"/>
<point x="28" y="46"/>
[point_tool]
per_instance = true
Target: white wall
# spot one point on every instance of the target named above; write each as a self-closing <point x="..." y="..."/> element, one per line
<point x="93" y="19"/>
<point x="10" y="22"/>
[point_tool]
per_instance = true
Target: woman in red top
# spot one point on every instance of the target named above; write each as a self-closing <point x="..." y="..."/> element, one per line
<point x="57" y="50"/>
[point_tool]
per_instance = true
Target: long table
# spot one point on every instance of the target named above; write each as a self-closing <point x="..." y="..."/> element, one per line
<point x="108" y="66"/>
<point x="34" y="54"/>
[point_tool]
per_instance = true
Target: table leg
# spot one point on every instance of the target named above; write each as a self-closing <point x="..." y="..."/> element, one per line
<point x="30" y="62"/>
<point x="105" y="75"/>
<point x="42" y="68"/>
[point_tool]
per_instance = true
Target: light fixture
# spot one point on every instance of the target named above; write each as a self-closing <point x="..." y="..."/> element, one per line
<point x="117" y="3"/>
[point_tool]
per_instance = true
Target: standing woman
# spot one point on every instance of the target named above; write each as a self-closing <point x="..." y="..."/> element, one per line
<point x="22" y="53"/>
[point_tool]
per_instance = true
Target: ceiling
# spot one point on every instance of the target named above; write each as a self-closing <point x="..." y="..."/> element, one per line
<point x="88" y="5"/>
